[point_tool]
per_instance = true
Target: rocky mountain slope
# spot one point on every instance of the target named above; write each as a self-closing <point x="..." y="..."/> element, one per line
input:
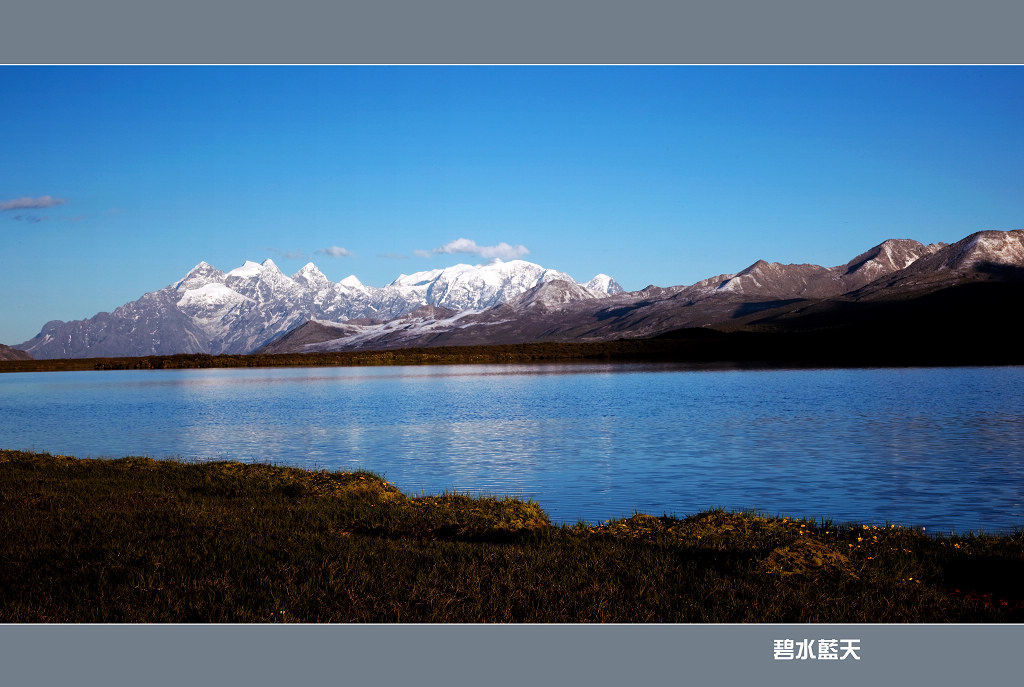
<point x="763" y="297"/>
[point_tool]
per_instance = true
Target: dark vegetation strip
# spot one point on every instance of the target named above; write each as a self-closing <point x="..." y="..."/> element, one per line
<point x="627" y="350"/>
<point x="139" y="540"/>
<point x="829" y="347"/>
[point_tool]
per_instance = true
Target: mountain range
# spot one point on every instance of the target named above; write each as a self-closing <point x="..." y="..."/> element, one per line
<point x="210" y="311"/>
<point x="900" y="285"/>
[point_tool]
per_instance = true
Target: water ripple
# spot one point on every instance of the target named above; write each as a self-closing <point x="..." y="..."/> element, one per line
<point x="942" y="448"/>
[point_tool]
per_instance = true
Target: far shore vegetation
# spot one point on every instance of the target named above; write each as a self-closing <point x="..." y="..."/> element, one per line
<point x="696" y="346"/>
<point x="627" y="351"/>
<point x="139" y="540"/>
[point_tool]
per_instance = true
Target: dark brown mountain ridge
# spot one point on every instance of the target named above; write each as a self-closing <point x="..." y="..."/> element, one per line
<point x="895" y="294"/>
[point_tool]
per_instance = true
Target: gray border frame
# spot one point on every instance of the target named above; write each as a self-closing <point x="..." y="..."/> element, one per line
<point x="498" y="655"/>
<point x="493" y="32"/>
<point x="498" y="31"/>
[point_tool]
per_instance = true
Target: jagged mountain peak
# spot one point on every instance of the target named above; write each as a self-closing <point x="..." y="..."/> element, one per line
<point x="203" y="269"/>
<point x="554" y="292"/>
<point x="604" y="284"/>
<point x="309" y="268"/>
<point x="756" y="267"/>
<point x="890" y="255"/>
<point x="202" y="274"/>
<point x="772" y="279"/>
<point x="311" y="276"/>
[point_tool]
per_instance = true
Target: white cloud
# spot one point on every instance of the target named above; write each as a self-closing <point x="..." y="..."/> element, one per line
<point x="502" y="250"/>
<point x="422" y="253"/>
<point x="26" y="203"/>
<point x="335" y="252"/>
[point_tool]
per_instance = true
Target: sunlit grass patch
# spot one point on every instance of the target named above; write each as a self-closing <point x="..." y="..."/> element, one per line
<point x="806" y="556"/>
<point x="463" y="514"/>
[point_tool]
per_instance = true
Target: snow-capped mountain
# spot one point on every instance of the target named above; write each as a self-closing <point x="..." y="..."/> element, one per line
<point x="257" y="307"/>
<point x="210" y="311"/>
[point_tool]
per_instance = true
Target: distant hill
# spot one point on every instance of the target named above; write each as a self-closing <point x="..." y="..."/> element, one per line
<point x="8" y="353"/>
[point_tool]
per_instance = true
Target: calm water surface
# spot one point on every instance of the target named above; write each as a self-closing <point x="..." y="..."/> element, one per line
<point x="936" y="448"/>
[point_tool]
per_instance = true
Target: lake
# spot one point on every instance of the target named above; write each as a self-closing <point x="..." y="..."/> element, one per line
<point x="940" y="448"/>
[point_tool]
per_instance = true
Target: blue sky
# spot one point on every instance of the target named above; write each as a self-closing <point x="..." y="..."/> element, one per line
<point x="117" y="180"/>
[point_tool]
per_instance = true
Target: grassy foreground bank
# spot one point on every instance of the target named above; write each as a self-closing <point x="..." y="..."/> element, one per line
<point x="139" y="540"/>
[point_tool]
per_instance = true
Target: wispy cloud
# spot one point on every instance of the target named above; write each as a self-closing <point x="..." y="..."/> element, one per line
<point x="502" y="250"/>
<point x="335" y="252"/>
<point x="26" y="203"/>
<point x="288" y="255"/>
<point x="31" y="219"/>
<point x="422" y="253"/>
<point x="393" y="256"/>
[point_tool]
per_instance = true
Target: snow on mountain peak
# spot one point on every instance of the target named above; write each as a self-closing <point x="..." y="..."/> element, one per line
<point x="311" y="276"/>
<point x="249" y="269"/>
<point x="995" y="247"/>
<point x="351" y="281"/>
<point x="202" y="268"/>
<point x="200" y="275"/>
<point x="209" y="296"/>
<point x="602" y="283"/>
<point x="260" y="271"/>
<point x="270" y="270"/>
<point x="420" y="278"/>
